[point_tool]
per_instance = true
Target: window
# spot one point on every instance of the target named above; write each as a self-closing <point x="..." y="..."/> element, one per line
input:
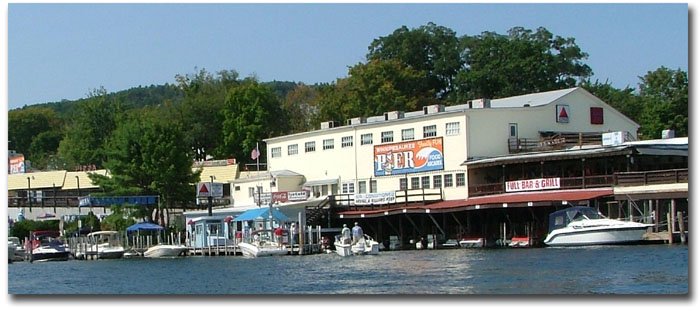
<point x="292" y="149"/>
<point x="425" y="182"/>
<point x="362" y="187"/>
<point x="437" y="181"/>
<point x="366" y="139"/>
<point x="512" y="130"/>
<point x="276" y="152"/>
<point x="328" y="144"/>
<point x="348" y="188"/>
<point x="237" y="188"/>
<point x="452" y="128"/>
<point x="429" y="131"/>
<point x="372" y="186"/>
<point x="596" y="115"/>
<point x="448" y="180"/>
<point x="387" y="136"/>
<point x="346" y="142"/>
<point x="310" y="146"/>
<point x="403" y="184"/>
<point x="415" y="183"/>
<point x="461" y="180"/>
<point x="407" y="134"/>
<point x="251" y="191"/>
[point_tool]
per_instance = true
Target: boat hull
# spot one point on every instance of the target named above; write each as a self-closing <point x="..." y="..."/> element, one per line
<point x="165" y="251"/>
<point x="596" y="236"/>
<point x="252" y="250"/>
<point x="49" y="254"/>
<point x="343" y="250"/>
<point x="472" y="243"/>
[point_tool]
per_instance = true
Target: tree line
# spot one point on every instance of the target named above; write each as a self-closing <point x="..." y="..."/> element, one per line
<point x="148" y="136"/>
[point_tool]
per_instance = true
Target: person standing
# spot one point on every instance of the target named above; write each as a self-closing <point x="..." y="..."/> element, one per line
<point x="357" y="233"/>
<point x="345" y="233"/>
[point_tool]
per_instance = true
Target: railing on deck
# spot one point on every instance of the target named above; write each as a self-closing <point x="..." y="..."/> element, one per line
<point x="651" y="177"/>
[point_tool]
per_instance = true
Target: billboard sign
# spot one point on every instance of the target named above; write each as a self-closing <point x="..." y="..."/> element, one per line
<point x="16" y="164"/>
<point x="206" y="189"/>
<point x="409" y="157"/>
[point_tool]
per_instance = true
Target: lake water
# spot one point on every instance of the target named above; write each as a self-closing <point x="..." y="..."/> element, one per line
<point x="627" y="270"/>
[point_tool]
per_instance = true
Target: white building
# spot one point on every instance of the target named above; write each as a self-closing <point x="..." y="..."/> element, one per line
<point x="425" y="149"/>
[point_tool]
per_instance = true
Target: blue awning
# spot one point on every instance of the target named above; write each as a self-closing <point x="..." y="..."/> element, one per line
<point x="261" y="214"/>
<point x="144" y="226"/>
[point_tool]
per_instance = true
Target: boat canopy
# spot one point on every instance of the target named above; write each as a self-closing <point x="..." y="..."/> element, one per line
<point x="144" y="226"/>
<point x="262" y="214"/>
<point x="561" y="218"/>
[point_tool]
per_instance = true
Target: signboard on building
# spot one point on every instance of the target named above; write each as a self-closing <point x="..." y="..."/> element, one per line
<point x="563" y="114"/>
<point x="381" y="198"/>
<point x="16" y="164"/>
<point x="613" y="138"/>
<point x="533" y="184"/>
<point x="206" y="189"/>
<point x="409" y="157"/>
<point x="281" y="197"/>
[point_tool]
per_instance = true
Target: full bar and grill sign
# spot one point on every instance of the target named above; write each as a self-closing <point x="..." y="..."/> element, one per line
<point x="533" y="184"/>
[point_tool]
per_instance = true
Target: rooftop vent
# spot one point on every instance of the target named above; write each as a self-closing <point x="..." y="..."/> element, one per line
<point x="480" y="103"/>
<point x="356" y="121"/>
<point x="329" y="124"/>
<point x="432" y="109"/>
<point x="393" y="115"/>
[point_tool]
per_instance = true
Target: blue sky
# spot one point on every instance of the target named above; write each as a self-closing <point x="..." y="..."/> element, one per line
<point x="64" y="51"/>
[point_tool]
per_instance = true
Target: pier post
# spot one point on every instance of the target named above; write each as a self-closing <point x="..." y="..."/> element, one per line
<point x="679" y="216"/>
<point x="669" y="223"/>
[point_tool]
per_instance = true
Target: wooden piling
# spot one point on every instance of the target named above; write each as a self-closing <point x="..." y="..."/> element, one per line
<point x="669" y="222"/>
<point x="681" y="227"/>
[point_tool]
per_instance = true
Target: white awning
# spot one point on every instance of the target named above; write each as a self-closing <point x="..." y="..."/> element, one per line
<point x="321" y="182"/>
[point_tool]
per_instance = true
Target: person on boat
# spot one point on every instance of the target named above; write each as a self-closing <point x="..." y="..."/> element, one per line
<point x="278" y="234"/>
<point x="357" y="233"/>
<point x="345" y="234"/>
<point x="293" y="230"/>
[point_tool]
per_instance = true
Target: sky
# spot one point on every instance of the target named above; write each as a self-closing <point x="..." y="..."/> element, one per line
<point x="66" y="51"/>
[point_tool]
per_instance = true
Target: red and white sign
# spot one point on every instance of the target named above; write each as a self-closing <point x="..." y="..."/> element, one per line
<point x="563" y="114"/>
<point x="533" y="184"/>
<point x="205" y="189"/>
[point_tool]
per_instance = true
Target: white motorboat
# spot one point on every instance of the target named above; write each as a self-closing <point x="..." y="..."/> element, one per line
<point x="365" y="246"/>
<point x="262" y="248"/>
<point x="103" y="245"/>
<point x="165" y="251"/>
<point x="472" y="242"/>
<point x="343" y="246"/>
<point x="14" y="246"/>
<point x="46" y="246"/>
<point x="579" y="226"/>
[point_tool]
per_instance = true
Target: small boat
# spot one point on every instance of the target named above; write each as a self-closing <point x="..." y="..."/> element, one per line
<point x="471" y="242"/>
<point x="262" y="248"/>
<point x="519" y="241"/>
<point x="165" y="251"/>
<point x="450" y="243"/>
<point x="104" y="245"/>
<point x="365" y="246"/>
<point x="343" y="246"/>
<point x="14" y="246"/>
<point x="580" y="225"/>
<point x="46" y="246"/>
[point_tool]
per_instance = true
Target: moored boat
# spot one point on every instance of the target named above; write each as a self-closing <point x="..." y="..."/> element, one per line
<point x="46" y="246"/>
<point x="580" y="226"/>
<point x="104" y="245"/>
<point x="165" y="251"/>
<point x="472" y="242"/>
<point x="262" y="248"/>
<point x="18" y="251"/>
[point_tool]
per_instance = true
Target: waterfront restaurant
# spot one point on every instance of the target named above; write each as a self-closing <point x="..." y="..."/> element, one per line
<point x="403" y="174"/>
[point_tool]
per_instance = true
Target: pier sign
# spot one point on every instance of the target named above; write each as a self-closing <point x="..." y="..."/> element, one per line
<point x="533" y="184"/>
<point x="409" y="157"/>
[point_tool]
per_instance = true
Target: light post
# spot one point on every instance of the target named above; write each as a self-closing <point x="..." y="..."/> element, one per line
<point x="29" y="192"/>
<point x="211" y="192"/>
<point x="77" y="179"/>
<point x="54" y="197"/>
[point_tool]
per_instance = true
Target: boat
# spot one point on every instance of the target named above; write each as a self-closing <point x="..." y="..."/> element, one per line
<point x="262" y="248"/>
<point x="103" y="245"/>
<point x="471" y="242"/>
<point x="519" y="241"/>
<point x="342" y="246"/>
<point x="365" y="246"/>
<point x="165" y="251"/>
<point x="450" y="243"/>
<point x="262" y="242"/>
<point x="14" y="246"/>
<point x="581" y="225"/>
<point x="46" y="246"/>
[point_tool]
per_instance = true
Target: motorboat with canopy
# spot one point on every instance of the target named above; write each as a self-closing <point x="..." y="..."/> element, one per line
<point x="581" y="225"/>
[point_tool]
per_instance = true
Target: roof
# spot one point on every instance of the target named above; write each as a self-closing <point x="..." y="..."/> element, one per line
<point x="222" y="174"/>
<point x="493" y="201"/>
<point x="85" y="182"/>
<point x="35" y="180"/>
<point x="321" y="182"/>
<point x="533" y="99"/>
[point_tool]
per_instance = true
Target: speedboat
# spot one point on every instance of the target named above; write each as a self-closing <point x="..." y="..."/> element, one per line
<point x="14" y="246"/>
<point x="105" y="245"/>
<point x="471" y="242"/>
<point x="165" y="251"/>
<point x="46" y="246"/>
<point x="578" y="226"/>
<point x="365" y="246"/>
<point x="262" y="248"/>
<point x="343" y="246"/>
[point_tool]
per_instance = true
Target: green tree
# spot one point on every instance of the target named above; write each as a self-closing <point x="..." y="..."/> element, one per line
<point x="146" y="156"/>
<point x="300" y="107"/>
<point x="33" y="131"/>
<point x="252" y="113"/>
<point x="118" y="220"/>
<point x="626" y="100"/>
<point x="93" y="123"/>
<point x="519" y="63"/>
<point x="664" y="94"/>
<point x="430" y="49"/>
<point x="22" y="229"/>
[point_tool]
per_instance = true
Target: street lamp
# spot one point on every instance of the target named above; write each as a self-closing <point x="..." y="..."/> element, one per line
<point x="77" y="179"/>
<point x="211" y="192"/>
<point x="29" y="192"/>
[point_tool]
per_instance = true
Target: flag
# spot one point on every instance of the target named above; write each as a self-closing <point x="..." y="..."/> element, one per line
<point x="254" y="154"/>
